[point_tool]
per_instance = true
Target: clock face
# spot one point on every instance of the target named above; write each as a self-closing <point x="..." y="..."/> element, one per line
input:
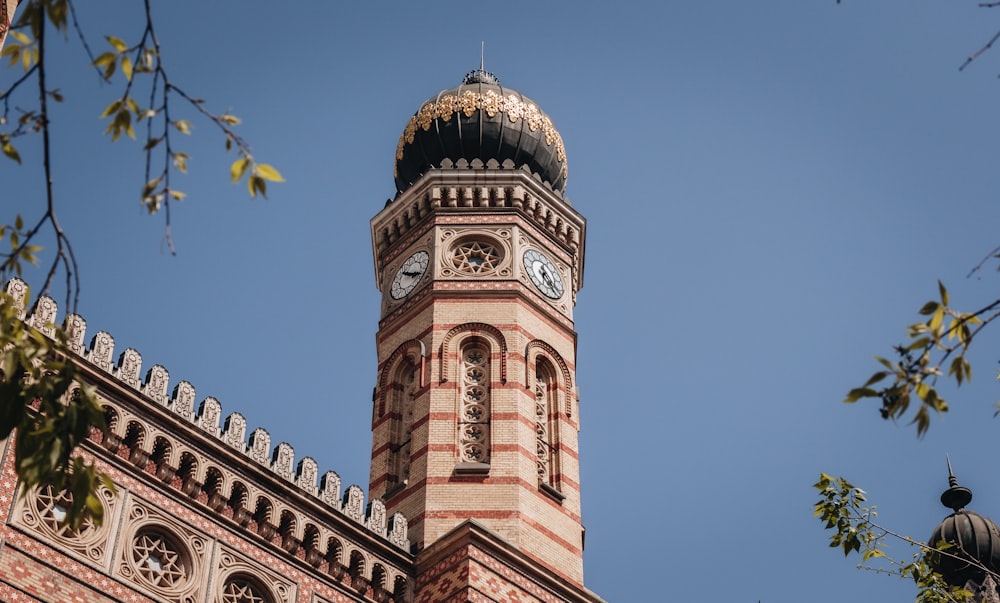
<point x="543" y="274"/>
<point x="409" y="275"/>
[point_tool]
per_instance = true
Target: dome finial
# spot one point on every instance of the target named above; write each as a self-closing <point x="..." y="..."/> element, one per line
<point x="955" y="497"/>
<point x="481" y="76"/>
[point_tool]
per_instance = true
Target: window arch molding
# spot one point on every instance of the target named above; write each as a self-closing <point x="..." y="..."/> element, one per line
<point x="538" y="348"/>
<point x="456" y="337"/>
<point x="411" y="350"/>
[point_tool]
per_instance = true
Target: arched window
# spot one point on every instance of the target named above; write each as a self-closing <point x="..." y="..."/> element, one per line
<point x="547" y="423"/>
<point x="401" y="421"/>
<point x="474" y="403"/>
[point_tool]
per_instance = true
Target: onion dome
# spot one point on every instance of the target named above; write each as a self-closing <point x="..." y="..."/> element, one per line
<point x="480" y="119"/>
<point x="975" y="539"/>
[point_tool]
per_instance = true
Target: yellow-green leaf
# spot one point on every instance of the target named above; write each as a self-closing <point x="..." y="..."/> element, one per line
<point x="11" y="152"/>
<point x="20" y="37"/>
<point x="104" y="59"/>
<point x="267" y="172"/>
<point x="118" y="43"/>
<point x="111" y="108"/>
<point x="239" y="168"/>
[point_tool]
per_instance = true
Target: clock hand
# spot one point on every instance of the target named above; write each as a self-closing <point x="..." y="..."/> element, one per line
<point x="412" y="274"/>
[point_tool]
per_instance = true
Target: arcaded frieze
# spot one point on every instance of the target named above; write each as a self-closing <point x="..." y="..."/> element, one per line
<point x="136" y="434"/>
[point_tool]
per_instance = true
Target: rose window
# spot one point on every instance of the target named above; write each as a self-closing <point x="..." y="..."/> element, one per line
<point x="476" y="258"/>
<point x="242" y="590"/>
<point x="52" y="508"/>
<point x="158" y="560"/>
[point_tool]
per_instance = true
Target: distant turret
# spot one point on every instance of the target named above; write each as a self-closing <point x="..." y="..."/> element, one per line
<point x="975" y="540"/>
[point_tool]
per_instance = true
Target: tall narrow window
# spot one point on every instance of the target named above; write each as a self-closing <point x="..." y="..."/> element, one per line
<point x="474" y="415"/>
<point x="546" y="424"/>
<point x="401" y="423"/>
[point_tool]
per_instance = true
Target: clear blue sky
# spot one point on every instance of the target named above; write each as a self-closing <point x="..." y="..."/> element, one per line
<point x="772" y="188"/>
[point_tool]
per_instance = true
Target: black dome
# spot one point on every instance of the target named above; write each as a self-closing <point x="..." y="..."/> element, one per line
<point x="480" y="119"/>
<point x="975" y="538"/>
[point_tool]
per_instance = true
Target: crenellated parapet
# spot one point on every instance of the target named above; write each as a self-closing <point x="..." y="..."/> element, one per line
<point x="458" y="187"/>
<point x="155" y="448"/>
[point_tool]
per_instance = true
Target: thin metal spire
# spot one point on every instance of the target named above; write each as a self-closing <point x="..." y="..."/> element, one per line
<point x="955" y="497"/>
<point x="481" y="76"/>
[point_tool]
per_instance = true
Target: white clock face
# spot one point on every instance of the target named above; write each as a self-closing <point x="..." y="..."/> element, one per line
<point x="543" y="274"/>
<point x="409" y="274"/>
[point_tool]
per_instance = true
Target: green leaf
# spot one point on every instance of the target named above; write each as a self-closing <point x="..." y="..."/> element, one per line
<point x="20" y="37"/>
<point x="859" y="392"/>
<point x="876" y="378"/>
<point x="929" y="308"/>
<point x="943" y="292"/>
<point x="256" y="184"/>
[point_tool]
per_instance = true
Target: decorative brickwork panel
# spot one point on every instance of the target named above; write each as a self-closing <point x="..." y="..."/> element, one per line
<point x="42" y="512"/>
<point x="21" y="573"/>
<point x="161" y="556"/>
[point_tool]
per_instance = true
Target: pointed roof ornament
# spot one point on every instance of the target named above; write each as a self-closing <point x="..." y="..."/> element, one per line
<point x="955" y="497"/>
<point x="481" y="76"/>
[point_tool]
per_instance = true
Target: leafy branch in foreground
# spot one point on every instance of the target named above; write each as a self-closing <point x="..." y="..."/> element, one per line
<point x="50" y="412"/>
<point x="841" y="507"/>
<point x="140" y="63"/>
<point x="942" y="339"/>
<point x="40" y="400"/>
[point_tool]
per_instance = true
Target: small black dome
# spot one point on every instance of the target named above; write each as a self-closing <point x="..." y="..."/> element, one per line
<point x="480" y="119"/>
<point x="974" y="538"/>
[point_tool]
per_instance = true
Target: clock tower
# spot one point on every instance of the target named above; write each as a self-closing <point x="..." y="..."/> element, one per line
<point x="479" y="258"/>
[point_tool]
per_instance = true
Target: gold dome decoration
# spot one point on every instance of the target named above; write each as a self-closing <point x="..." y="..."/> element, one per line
<point x="491" y="103"/>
